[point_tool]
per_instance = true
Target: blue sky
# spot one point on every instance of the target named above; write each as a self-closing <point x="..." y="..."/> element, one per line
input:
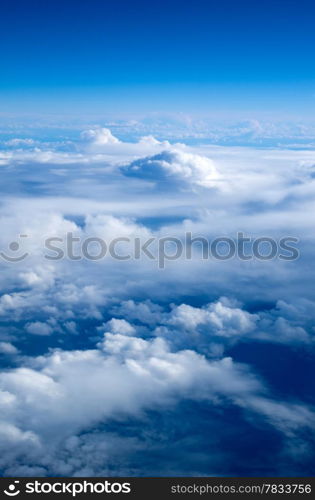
<point x="130" y="56"/>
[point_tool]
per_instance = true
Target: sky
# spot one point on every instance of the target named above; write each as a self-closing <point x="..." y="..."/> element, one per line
<point x="126" y="56"/>
<point x="141" y="144"/>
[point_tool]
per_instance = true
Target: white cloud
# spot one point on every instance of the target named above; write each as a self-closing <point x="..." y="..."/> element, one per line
<point x="171" y="165"/>
<point x="119" y="326"/>
<point x="39" y="328"/>
<point x="99" y="136"/>
<point x="61" y="393"/>
<point x="220" y="317"/>
<point x="218" y="324"/>
<point x="160" y="345"/>
<point x="20" y="142"/>
<point x="147" y="312"/>
<point x="7" y="348"/>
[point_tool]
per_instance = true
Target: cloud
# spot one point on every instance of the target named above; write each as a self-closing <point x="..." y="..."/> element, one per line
<point x="58" y="395"/>
<point x="7" y="348"/>
<point x="39" y="328"/>
<point x="20" y="142"/>
<point x="221" y="317"/>
<point x="171" y="165"/>
<point x="144" y="354"/>
<point x="146" y="312"/>
<point x="104" y="144"/>
<point x="120" y="326"/>
<point x="99" y="136"/>
<point x="219" y="324"/>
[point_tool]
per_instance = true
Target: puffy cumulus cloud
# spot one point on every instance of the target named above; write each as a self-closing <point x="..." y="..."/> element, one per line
<point x="38" y="155"/>
<point x="38" y="289"/>
<point x="279" y="329"/>
<point x="101" y="140"/>
<point x="53" y="398"/>
<point x="30" y="228"/>
<point x="7" y="348"/>
<point x="207" y="329"/>
<point x="109" y="228"/>
<point x="221" y="317"/>
<point x="120" y="326"/>
<point x="39" y="328"/>
<point x="218" y="325"/>
<point x="174" y="165"/>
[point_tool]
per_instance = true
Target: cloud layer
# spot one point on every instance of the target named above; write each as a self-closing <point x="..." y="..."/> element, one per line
<point x="101" y="361"/>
